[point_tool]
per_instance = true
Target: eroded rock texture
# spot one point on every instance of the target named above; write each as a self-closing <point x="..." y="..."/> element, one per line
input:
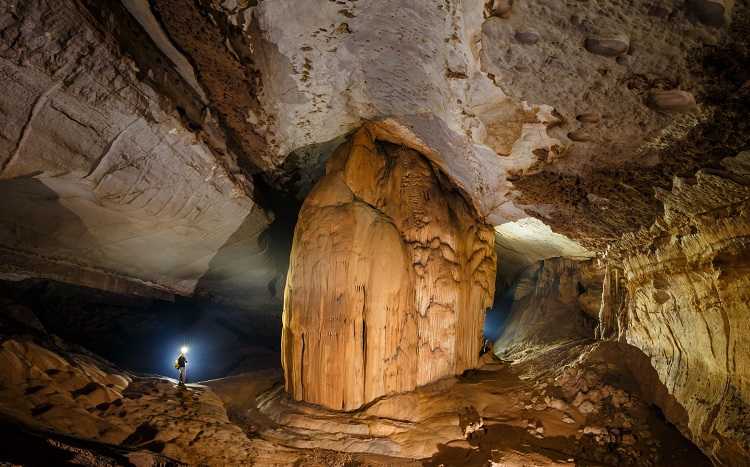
<point x="554" y="300"/>
<point x="688" y="289"/>
<point x="390" y="276"/>
<point x="113" y="173"/>
<point x="674" y="103"/>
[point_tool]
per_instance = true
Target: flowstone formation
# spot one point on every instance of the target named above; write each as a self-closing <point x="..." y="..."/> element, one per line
<point x="391" y="272"/>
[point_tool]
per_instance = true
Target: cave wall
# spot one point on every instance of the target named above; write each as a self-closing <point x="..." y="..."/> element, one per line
<point x="554" y="300"/>
<point x="113" y="172"/>
<point x="685" y="305"/>
<point x="391" y="273"/>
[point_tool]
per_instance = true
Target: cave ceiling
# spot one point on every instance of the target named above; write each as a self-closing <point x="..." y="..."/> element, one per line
<point x="164" y="146"/>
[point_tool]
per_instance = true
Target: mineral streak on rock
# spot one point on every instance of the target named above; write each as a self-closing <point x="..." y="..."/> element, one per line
<point x="391" y="272"/>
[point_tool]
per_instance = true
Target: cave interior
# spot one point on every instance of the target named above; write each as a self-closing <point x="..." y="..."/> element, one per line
<point x="384" y="233"/>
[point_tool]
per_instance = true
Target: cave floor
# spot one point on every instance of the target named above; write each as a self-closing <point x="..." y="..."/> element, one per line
<point x="573" y="403"/>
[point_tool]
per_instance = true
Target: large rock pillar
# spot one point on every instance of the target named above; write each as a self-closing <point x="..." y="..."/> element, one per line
<point x="390" y="275"/>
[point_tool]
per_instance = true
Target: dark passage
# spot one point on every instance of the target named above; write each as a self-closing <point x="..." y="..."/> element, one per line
<point x="145" y="335"/>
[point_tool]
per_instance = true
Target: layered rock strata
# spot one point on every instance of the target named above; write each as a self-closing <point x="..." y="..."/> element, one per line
<point x="390" y="275"/>
<point x="688" y="287"/>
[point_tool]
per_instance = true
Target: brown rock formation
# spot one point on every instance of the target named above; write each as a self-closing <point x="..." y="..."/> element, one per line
<point x="390" y="275"/>
<point x="688" y="289"/>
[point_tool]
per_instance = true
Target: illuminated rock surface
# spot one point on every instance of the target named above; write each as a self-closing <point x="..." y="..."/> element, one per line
<point x="688" y="289"/>
<point x="390" y="275"/>
<point x="553" y="300"/>
<point x="557" y="404"/>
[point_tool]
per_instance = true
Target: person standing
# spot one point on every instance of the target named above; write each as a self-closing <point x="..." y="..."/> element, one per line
<point x="181" y="365"/>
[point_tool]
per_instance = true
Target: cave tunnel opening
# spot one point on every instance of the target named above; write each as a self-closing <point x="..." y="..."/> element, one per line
<point x="230" y="327"/>
<point x="497" y="316"/>
<point x="144" y="335"/>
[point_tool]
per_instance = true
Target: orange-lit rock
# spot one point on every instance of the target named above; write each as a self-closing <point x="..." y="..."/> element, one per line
<point x="390" y="275"/>
<point x="686" y="305"/>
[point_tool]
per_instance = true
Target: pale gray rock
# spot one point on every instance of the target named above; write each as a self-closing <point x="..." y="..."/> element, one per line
<point x="104" y="185"/>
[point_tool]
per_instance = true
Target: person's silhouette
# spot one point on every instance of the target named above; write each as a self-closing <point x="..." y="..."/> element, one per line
<point x="181" y="364"/>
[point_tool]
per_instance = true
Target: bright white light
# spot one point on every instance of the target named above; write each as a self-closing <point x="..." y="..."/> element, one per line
<point x="184" y="349"/>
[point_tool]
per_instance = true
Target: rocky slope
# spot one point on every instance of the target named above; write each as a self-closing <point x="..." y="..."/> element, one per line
<point x="553" y="300"/>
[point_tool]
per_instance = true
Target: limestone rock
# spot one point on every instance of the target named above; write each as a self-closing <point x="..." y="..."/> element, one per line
<point x="390" y="275"/>
<point x="608" y="46"/>
<point x="529" y="37"/>
<point x="113" y="174"/>
<point x="580" y="136"/>
<point x="711" y="12"/>
<point x="673" y="100"/>
<point x="522" y="243"/>
<point x="49" y="386"/>
<point x="488" y="405"/>
<point x="547" y="305"/>
<point x="502" y="8"/>
<point x="589" y="117"/>
<point x="687" y="283"/>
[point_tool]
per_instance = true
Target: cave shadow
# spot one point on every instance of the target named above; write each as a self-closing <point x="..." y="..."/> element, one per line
<point x="496" y="437"/>
<point x="34" y="221"/>
<point x="241" y="292"/>
<point x="496" y="317"/>
<point x="248" y="272"/>
<point x="490" y="441"/>
<point x="22" y="446"/>
<point x="144" y="334"/>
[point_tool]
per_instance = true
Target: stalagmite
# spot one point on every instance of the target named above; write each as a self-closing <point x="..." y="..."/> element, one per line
<point x="390" y="275"/>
